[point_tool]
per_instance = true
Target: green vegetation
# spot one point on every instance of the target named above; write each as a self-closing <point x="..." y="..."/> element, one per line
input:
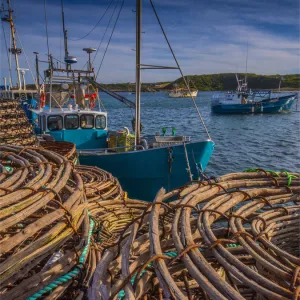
<point x="217" y="82"/>
<point x="213" y="82"/>
<point x="227" y="81"/>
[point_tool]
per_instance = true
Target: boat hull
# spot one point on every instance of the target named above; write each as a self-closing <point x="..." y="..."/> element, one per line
<point x="275" y="105"/>
<point x="143" y="173"/>
<point x="183" y="94"/>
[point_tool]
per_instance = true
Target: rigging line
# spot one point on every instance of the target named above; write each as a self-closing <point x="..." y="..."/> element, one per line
<point x="46" y="22"/>
<point x="9" y="62"/>
<point x="177" y="63"/>
<point x="74" y="40"/>
<point x="26" y="58"/>
<point x="246" y="62"/>
<point x="100" y="44"/>
<point x="60" y="45"/>
<point x="110" y="38"/>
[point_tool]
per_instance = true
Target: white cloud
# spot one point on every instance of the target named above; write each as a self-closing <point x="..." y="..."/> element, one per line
<point x="205" y="40"/>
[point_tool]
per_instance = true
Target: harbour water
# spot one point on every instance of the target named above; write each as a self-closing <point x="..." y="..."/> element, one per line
<point x="270" y="141"/>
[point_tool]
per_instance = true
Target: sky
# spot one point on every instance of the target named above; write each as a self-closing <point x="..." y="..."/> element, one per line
<point x="208" y="36"/>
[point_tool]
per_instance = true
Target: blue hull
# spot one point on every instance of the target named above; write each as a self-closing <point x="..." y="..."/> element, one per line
<point x="275" y="105"/>
<point x="143" y="173"/>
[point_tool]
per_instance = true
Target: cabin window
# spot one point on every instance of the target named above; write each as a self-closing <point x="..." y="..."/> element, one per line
<point x="87" y="121"/>
<point x="43" y="123"/>
<point x="55" y="123"/>
<point x="100" y="122"/>
<point x="71" y="122"/>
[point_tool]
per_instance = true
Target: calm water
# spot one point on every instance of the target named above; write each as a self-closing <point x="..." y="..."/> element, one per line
<point x="242" y="141"/>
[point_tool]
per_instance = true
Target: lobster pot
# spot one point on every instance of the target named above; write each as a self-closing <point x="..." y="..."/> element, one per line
<point x="121" y="139"/>
<point x="15" y="128"/>
<point x="231" y="237"/>
<point x="66" y="149"/>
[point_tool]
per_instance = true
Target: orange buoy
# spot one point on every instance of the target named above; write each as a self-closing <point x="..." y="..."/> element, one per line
<point x="42" y="99"/>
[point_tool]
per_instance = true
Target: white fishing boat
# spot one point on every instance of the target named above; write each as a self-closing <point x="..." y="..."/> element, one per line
<point x="184" y="92"/>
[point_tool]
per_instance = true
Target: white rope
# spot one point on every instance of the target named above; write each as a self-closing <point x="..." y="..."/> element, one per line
<point x="187" y="162"/>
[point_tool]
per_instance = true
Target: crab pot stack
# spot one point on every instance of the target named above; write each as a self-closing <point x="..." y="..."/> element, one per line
<point x="15" y="128"/>
<point x="108" y="208"/>
<point x="66" y="149"/>
<point x="44" y="225"/>
<point x="234" y="237"/>
<point x="99" y="185"/>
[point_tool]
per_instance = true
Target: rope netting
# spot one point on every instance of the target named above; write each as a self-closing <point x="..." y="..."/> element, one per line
<point x="15" y="128"/>
<point x="70" y="232"/>
<point x="43" y="219"/>
<point x="236" y="237"/>
<point x="66" y="149"/>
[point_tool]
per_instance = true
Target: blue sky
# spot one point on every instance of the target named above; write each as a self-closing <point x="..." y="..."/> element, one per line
<point x="207" y="36"/>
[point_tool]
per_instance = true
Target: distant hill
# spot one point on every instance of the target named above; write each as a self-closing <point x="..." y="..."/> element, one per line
<point x="218" y="82"/>
<point x="227" y="81"/>
<point x="213" y="82"/>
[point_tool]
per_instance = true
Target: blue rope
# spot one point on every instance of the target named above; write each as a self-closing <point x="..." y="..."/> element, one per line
<point x="72" y="274"/>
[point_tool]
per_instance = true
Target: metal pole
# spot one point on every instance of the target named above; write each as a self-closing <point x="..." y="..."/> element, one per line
<point x="65" y="33"/>
<point x="50" y="93"/>
<point x="138" y="71"/>
<point x="15" y="50"/>
<point x="279" y="85"/>
<point x="5" y="83"/>
<point x="37" y="70"/>
<point x="246" y="64"/>
<point x="23" y="78"/>
<point x="90" y="64"/>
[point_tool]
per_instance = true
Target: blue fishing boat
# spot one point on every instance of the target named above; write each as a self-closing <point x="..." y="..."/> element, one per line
<point x="74" y="113"/>
<point x="245" y="101"/>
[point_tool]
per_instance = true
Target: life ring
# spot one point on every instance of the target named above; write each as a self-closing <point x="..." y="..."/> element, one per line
<point x="92" y="100"/>
<point x="42" y="99"/>
<point x="86" y="96"/>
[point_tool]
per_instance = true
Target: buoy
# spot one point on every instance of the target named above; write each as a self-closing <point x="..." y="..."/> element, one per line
<point x="92" y="100"/>
<point x="42" y="99"/>
<point x="86" y="96"/>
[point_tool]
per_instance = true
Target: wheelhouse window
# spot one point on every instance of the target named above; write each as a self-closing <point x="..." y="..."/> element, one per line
<point x="87" y="121"/>
<point x="71" y="121"/>
<point x="100" y="122"/>
<point x="55" y="123"/>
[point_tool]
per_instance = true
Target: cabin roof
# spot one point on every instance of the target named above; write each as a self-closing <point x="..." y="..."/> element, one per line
<point x="63" y="111"/>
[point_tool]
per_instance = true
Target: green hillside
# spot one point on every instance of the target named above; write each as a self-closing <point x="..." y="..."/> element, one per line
<point x="227" y="81"/>
<point x="213" y="82"/>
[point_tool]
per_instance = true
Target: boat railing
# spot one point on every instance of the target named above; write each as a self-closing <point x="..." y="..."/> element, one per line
<point x="102" y="151"/>
<point x="161" y="141"/>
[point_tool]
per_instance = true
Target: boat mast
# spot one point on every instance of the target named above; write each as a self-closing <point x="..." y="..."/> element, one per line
<point x="14" y="50"/>
<point x="138" y="71"/>
<point x="246" y="67"/>
<point x="65" y="32"/>
<point x="37" y="70"/>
